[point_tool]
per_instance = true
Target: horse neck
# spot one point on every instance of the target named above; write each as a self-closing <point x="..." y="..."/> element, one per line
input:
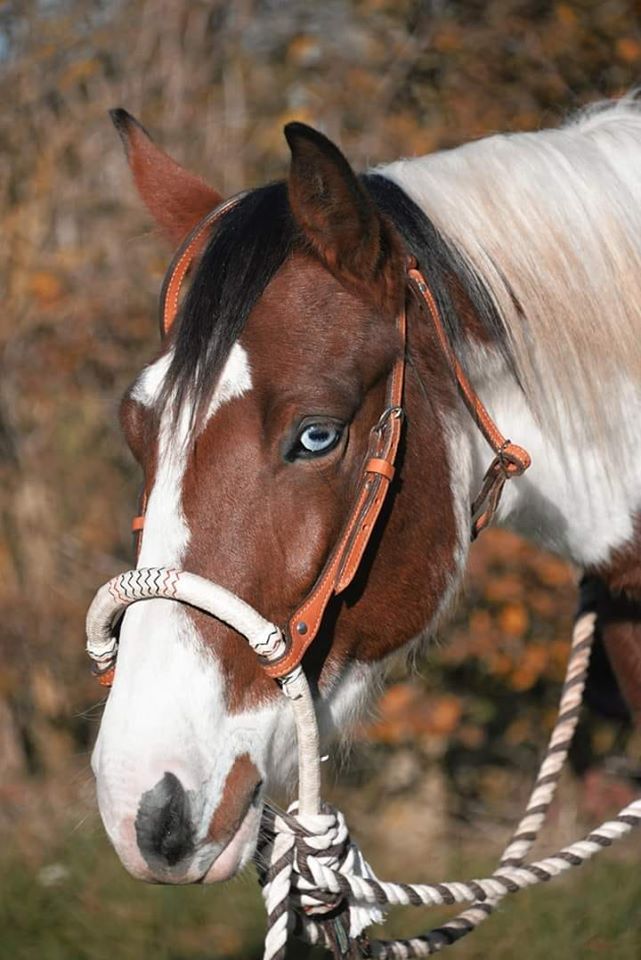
<point x="582" y="494"/>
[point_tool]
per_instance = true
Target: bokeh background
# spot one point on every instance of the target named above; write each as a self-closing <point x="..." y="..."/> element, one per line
<point x="436" y="775"/>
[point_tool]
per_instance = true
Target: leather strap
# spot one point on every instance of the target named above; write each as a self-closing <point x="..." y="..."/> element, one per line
<point x="346" y="557"/>
<point x="182" y="260"/>
<point x="510" y="459"/>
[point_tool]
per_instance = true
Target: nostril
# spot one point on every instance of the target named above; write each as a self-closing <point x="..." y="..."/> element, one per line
<point x="163" y="824"/>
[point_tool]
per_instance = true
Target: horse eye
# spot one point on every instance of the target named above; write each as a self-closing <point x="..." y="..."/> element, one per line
<point x="317" y="439"/>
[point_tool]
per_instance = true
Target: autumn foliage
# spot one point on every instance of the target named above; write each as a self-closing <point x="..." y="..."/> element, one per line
<point x="80" y="269"/>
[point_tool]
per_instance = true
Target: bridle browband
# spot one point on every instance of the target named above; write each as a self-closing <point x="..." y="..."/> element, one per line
<point x="378" y="470"/>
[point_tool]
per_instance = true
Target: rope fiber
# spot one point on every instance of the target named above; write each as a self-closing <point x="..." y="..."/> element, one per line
<point x="317" y="884"/>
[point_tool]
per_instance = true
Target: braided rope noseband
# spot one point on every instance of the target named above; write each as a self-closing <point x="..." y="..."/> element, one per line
<point x="315" y="880"/>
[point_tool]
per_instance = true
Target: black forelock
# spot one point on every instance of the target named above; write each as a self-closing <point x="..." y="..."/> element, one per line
<point x="250" y="244"/>
<point x="246" y="249"/>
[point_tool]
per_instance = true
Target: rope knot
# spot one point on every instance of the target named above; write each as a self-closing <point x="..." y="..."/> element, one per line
<point x="321" y="848"/>
<point x="307" y="864"/>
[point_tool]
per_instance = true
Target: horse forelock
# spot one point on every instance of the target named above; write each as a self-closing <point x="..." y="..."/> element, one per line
<point x="246" y="249"/>
<point x="251" y="244"/>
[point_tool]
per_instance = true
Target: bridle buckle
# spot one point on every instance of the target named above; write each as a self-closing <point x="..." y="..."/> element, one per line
<point x="389" y="413"/>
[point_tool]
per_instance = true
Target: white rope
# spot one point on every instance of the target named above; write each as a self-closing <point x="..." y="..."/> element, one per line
<point x="316" y="877"/>
<point x="313" y="876"/>
<point x="538" y="804"/>
<point x="146" y="583"/>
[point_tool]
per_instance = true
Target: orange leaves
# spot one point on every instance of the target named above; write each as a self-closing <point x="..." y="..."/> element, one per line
<point x="407" y="712"/>
<point x="449" y="38"/>
<point x="514" y="619"/>
<point x="566" y="15"/>
<point x="504" y="588"/>
<point x="629" y="50"/>
<point x="530" y="668"/>
<point x="506" y="650"/>
<point x="46" y="288"/>
<point x="304" y="51"/>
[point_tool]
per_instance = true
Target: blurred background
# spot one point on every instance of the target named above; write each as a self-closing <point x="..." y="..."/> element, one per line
<point x="447" y="757"/>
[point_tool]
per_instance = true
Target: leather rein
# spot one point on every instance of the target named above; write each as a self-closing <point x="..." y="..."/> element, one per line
<point x="378" y="469"/>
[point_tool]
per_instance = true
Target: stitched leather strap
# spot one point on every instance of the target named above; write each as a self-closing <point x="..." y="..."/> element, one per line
<point x="511" y="460"/>
<point x="182" y="260"/>
<point x="377" y="465"/>
<point x="345" y="559"/>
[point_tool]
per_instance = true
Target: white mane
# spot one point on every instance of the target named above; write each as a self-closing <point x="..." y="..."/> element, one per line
<point x="551" y="222"/>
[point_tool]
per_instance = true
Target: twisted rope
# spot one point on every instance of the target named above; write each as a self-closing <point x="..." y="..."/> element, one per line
<point x="311" y="864"/>
<point x="541" y="797"/>
<point x="315" y="880"/>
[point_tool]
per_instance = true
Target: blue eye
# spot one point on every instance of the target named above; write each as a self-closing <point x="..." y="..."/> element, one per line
<point x="318" y="438"/>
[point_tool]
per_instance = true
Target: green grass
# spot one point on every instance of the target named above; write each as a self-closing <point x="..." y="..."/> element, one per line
<point x="94" y="911"/>
<point x="594" y="913"/>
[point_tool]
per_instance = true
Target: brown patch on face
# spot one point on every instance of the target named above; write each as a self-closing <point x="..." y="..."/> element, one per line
<point x="240" y="786"/>
<point x="263" y="526"/>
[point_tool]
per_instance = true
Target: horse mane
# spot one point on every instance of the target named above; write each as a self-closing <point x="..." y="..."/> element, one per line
<point x="551" y="224"/>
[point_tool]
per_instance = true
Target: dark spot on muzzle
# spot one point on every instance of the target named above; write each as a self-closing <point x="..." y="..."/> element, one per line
<point x="164" y="829"/>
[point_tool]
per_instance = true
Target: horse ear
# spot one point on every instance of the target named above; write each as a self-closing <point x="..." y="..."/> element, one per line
<point x="338" y="217"/>
<point x="176" y="199"/>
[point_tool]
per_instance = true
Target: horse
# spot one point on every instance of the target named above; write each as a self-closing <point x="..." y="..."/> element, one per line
<point x="252" y="424"/>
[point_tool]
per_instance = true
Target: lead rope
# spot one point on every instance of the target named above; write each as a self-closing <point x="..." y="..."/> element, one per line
<point x="307" y="863"/>
<point x="316" y="882"/>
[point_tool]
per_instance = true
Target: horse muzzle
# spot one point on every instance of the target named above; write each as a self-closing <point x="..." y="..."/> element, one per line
<point x="165" y="840"/>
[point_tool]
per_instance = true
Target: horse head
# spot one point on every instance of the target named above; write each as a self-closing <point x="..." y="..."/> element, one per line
<point x="251" y="427"/>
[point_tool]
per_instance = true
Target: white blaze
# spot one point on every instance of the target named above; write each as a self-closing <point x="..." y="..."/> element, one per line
<point x="166" y="535"/>
<point x="166" y="711"/>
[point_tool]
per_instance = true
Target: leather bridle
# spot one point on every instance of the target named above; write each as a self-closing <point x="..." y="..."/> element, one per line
<point x="378" y="469"/>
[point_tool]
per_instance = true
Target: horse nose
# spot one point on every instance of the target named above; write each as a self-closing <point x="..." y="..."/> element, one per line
<point x="164" y="829"/>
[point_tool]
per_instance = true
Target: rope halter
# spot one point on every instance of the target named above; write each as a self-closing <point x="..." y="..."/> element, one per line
<point x="314" y="878"/>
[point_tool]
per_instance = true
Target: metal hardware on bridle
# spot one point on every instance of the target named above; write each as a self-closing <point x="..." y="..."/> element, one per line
<point x="397" y="412"/>
<point x="510" y="460"/>
<point x="311" y="872"/>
